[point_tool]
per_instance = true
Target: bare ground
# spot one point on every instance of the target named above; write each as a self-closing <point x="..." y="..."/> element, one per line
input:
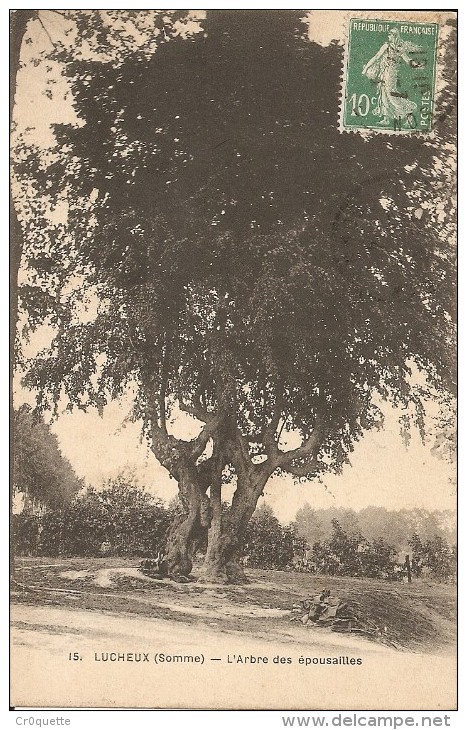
<point x="95" y="606"/>
<point x="420" y="617"/>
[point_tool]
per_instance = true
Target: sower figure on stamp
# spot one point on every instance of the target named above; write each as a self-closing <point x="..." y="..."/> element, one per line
<point x="383" y="68"/>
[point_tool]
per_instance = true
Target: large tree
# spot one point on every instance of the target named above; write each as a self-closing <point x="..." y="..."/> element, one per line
<point x="254" y="268"/>
<point x="40" y="471"/>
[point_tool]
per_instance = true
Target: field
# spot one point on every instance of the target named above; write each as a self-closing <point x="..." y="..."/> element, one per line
<point x="419" y="617"/>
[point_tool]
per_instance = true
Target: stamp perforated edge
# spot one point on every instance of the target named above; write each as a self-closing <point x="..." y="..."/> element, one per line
<point x="367" y="132"/>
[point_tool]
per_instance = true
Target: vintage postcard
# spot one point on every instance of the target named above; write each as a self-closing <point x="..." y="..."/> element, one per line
<point x="233" y="356"/>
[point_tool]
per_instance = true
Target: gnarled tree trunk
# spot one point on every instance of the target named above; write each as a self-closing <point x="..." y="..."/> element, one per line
<point x="222" y="563"/>
<point x="187" y="532"/>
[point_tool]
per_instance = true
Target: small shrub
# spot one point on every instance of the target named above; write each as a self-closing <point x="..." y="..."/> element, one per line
<point x="25" y="533"/>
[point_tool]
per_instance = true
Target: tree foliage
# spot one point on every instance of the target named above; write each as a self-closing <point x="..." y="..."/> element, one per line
<point x="267" y="543"/>
<point x="433" y="556"/>
<point x="40" y="471"/>
<point x="243" y="263"/>
<point x="130" y="521"/>
<point x="353" y="555"/>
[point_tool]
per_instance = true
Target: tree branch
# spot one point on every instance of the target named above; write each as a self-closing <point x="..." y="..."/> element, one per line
<point x="167" y="449"/>
<point x="46" y="31"/>
<point x="193" y="409"/>
<point x="269" y="434"/>
<point x="199" y="444"/>
<point x="309" y="446"/>
<point x="308" y="450"/>
<point x="244" y="448"/>
<point x="57" y="12"/>
<point x="239" y="452"/>
<point x="206" y="470"/>
<point x="281" y="429"/>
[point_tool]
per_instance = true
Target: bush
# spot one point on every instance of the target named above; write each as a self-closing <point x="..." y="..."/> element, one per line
<point x="25" y="533"/>
<point x="352" y="555"/>
<point x="378" y="559"/>
<point x="433" y="556"/>
<point x="77" y="529"/>
<point x="268" y="544"/>
<point x="131" y="522"/>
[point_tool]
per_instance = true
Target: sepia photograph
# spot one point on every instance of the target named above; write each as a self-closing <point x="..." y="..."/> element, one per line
<point x="233" y="359"/>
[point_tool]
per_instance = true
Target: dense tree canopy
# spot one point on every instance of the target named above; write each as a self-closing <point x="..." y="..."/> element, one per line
<point x="40" y="471"/>
<point x="241" y="259"/>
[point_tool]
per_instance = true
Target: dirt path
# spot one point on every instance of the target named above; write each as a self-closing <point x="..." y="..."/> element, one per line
<point x="43" y="674"/>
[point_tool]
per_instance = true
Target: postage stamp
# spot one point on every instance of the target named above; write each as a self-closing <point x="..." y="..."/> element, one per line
<point x="389" y="76"/>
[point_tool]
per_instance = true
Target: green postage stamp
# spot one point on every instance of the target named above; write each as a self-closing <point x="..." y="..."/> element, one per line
<point x="389" y="76"/>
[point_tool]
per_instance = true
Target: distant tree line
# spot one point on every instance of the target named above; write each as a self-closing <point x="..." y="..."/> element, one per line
<point x="344" y="552"/>
<point x="393" y="526"/>
<point x="351" y="554"/>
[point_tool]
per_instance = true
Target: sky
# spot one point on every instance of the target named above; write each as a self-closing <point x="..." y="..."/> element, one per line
<point x="383" y="471"/>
